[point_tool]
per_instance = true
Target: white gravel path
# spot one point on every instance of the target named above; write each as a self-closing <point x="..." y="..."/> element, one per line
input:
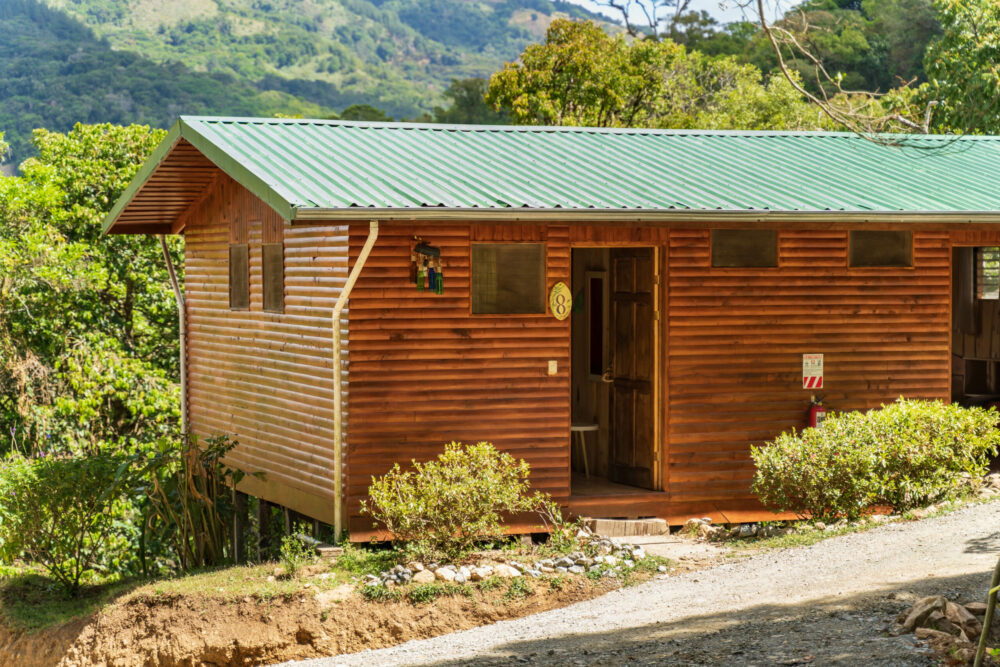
<point x="825" y="604"/>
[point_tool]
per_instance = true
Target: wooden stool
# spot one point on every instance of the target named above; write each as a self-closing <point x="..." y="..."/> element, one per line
<point x="578" y="433"/>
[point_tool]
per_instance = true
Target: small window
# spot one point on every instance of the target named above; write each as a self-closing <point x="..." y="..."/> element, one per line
<point x="508" y="278"/>
<point x="988" y="273"/>
<point x="736" y="248"/>
<point x="881" y="249"/>
<point x="273" y="269"/>
<point x="239" y="276"/>
<point x="596" y="318"/>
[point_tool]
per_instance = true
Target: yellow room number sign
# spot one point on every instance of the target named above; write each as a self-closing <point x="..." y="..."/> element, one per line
<point x="560" y="301"/>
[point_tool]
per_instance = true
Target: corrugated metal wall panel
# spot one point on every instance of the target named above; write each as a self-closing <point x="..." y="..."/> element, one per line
<point x="265" y="378"/>
<point x="424" y="371"/>
<point x="736" y="336"/>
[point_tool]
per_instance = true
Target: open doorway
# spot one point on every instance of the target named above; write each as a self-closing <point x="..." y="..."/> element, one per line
<point x="976" y="325"/>
<point x="614" y="362"/>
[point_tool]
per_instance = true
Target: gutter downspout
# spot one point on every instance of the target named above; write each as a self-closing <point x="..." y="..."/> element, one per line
<point x="181" y="331"/>
<point x="338" y="390"/>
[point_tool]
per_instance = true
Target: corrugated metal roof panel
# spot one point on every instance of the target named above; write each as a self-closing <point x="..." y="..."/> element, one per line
<point x="299" y="165"/>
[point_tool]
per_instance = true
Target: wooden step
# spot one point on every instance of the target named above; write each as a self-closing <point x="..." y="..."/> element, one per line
<point x="627" y="527"/>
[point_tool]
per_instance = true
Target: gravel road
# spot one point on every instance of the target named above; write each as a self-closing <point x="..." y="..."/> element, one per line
<point x="830" y="603"/>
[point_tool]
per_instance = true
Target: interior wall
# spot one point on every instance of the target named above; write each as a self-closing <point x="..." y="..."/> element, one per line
<point x="590" y="396"/>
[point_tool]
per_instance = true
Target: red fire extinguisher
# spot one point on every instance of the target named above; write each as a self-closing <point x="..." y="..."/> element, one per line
<point x="817" y="411"/>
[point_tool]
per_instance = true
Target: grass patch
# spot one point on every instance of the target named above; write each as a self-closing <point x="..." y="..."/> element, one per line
<point x="427" y="593"/>
<point x="490" y="584"/>
<point x="518" y="589"/>
<point x="30" y="601"/>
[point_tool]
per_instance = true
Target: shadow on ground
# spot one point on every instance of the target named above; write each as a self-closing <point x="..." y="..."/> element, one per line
<point x="850" y="630"/>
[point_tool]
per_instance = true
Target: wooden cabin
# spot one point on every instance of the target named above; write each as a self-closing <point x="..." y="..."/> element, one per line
<point x="627" y="310"/>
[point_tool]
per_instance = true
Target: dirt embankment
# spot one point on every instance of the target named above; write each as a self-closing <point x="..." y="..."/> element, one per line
<point x="199" y="630"/>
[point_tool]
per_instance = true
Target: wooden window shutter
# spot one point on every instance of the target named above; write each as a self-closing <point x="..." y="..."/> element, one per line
<point x="508" y="278"/>
<point x="239" y="275"/>
<point x="964" y="307"/>
<point x="273" y="268"/>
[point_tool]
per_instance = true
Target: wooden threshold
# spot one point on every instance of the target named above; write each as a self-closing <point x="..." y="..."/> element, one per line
<point x="658" y="504"/>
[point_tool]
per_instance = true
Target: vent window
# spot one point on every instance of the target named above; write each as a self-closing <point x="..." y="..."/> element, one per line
<point x="738" y="248"/>
<point x="881" y="249"/>
<point x="988" y="273"/>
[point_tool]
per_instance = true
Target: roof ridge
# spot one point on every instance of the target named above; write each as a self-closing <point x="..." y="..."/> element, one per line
<point x="445" y="127"/>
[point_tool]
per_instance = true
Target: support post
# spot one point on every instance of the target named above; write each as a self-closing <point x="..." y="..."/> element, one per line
<point x="181" y="332"/>
<point x="239" y="527"/>
<point x="263" y="529"/>
<point x="338" y="389"/>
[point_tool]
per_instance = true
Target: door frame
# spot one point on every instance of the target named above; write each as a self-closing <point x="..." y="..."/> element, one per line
<point x="660" y="386"/>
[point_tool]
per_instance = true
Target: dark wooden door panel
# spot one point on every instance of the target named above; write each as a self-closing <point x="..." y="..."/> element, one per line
<point x="633" y="422"/>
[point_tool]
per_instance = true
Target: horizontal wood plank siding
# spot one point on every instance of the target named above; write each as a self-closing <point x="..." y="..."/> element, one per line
<point x="265" y="378"/>
<point x="735" y="339"/>
<point x="424" y="371"/>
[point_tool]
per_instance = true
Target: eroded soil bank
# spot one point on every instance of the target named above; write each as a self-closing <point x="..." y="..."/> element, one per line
<point x="175" y="630"/>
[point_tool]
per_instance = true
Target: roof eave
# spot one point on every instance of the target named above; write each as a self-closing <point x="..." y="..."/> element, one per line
<point x="639" y="215"/>
<point x="184" y="130"/>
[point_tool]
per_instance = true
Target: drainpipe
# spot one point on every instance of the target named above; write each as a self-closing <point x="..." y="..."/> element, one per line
<point x="181" y="330"/>
<point x="338" y="391"/>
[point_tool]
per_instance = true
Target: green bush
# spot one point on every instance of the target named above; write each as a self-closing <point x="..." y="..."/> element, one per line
<point x="296" y="551"/>
<point x="906" y="454"/>
<point x="445" y="505"/>
<point x="188" y="506"/>
<point x="65" y="514"/>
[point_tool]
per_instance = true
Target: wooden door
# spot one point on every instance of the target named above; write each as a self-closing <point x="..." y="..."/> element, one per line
<point x="633" y="367"/>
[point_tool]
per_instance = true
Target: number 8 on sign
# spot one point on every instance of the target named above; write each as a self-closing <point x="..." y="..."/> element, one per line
<point x="560" y="301"/>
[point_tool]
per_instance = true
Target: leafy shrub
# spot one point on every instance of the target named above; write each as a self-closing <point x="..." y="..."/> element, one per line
<point x="189" y="506"/>
<point x="905" y="455"/>
<point x="64" y="513"/>
<point x="445" y="505"/>
<point x="295" y="552"/>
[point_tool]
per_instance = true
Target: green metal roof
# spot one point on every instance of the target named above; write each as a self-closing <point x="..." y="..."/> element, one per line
<point x="316" y="169"/>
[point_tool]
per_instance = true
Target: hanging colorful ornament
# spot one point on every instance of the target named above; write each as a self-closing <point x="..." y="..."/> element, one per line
<point x="425" y="265"/>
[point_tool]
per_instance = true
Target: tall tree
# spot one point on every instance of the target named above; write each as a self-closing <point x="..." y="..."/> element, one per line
<point x="963" y="67"/>
<point x="88" y="339"/>
<point x="581" y="75"/>
<point x="468" y="104"/>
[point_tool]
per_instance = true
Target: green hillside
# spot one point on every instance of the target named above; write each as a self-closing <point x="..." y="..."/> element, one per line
<point x="398" y="55"/>
<point x="55" y="72"/>
<point x="148" y="61"/>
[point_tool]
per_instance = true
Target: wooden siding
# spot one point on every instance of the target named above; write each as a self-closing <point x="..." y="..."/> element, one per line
<point x="265" y="378"/>
<point x="425" y="371"/>
<point x="736" y="336"/>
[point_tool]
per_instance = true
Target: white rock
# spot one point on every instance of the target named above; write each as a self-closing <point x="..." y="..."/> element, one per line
<point x="506" y="571"/>
<point x="576" y="569"/>
<point x="465" y="572"/>
<point x="445" y="574"/>
<point x="423" y="577"/>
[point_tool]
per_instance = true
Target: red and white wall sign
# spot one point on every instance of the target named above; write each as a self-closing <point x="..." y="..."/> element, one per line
<point x="812" y="371"/>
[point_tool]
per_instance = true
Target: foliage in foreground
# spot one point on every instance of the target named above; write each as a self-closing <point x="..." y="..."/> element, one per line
<point x="904" y="455"/>
<point x="188" y="510"/>
<point x="446" y="505"/>
<point x="64" y="513"/>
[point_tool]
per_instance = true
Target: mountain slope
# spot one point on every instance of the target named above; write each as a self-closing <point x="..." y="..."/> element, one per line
<point x="395" y="54"/>
<point x="54" y="72"/>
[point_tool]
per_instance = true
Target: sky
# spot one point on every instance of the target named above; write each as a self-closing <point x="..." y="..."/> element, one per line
<point x="724" y="11"/>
